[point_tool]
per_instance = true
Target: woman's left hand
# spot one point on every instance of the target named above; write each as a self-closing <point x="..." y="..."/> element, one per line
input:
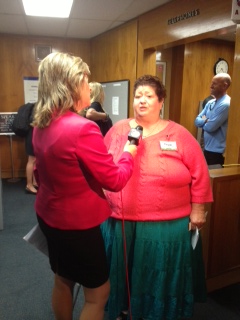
<point x="197" y="216"/>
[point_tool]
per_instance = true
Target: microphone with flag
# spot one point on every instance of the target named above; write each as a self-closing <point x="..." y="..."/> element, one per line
<point x="135" y="135"/>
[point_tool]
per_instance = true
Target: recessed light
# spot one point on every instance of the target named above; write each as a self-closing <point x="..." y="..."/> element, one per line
<point x="48" y="8"/>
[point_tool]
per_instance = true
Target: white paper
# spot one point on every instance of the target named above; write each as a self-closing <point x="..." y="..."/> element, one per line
<point x="37" y="239"/>
<point x="195" y="237"/>
<point x="115" y="106"/>
<point x="30" y="89"/>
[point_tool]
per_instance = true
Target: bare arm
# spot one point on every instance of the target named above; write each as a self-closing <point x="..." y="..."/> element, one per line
<point x="94" y="115"/>
<point x="197" y="216"/>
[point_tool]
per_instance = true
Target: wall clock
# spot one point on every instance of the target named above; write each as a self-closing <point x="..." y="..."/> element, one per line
<point x="220" y="66"/>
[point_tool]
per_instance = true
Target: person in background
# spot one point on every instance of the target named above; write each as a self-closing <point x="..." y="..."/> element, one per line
<point x="148" y="231"/>
<point x="96" y="112"/>
<point x="72" y="168"/>
<point x="31" y="186"/>
<point x="205" y="101"/>
<point x="213" y="119"/>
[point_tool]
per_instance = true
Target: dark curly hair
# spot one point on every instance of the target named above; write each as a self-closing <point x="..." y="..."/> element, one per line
<point x="152" y="81"/>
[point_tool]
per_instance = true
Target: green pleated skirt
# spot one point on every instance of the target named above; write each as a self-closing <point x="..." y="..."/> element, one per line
<point x="165" y="276"/>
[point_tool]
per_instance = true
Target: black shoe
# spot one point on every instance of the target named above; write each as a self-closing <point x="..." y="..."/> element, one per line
<point x="27" y="190"/>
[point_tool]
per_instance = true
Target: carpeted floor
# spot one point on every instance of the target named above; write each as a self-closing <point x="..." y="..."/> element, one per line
<point x="26" y="279"/>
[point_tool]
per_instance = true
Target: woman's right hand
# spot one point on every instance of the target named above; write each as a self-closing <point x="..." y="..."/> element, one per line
<point x="131" y="148"/>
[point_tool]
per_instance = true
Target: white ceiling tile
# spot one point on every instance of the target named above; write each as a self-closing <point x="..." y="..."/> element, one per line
<point x="47" y="26"/>
<point x="137" y="8"/>
<point x="7" y="26"/>
<point x="88" y="18"/>
<point x="86" y="28"/>
<point x="11" y="7"/>
<point x="99" y="10"/>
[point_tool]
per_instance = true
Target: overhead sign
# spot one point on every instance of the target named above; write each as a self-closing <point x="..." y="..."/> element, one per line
<point x="235" y="11"/>
<point x="184" y="16"/>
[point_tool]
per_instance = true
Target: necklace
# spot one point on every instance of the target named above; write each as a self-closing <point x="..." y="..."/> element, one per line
<point x="151" y="131"/>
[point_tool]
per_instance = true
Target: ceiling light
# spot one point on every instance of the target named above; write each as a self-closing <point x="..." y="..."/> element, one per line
<point x="48" y="8"/>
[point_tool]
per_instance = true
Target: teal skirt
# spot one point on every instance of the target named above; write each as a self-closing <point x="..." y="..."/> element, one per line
<point x="154" y="272"/>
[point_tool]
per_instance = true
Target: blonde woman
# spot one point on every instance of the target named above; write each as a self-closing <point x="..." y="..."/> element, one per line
<point x="72" y="168"/>
<point x="96" y="112"/>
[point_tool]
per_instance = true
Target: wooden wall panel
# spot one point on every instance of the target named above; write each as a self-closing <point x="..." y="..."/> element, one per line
<point x="114" y="56"/>
<point x="154" y="29"/>
<point x="176" y="83"/>
<point x="233" y="135"/>
<point x="18" y="155"/>
<point x="220" y="234"/>
<point x="199" y="59"/>
<point x="166" y="56"/>
<point x="17" y="59"/>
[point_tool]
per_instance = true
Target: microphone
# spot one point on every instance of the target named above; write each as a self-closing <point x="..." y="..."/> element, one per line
<point x="135" y="135"/>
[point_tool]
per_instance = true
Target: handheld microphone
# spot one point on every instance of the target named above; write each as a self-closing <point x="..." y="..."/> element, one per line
<point x="135" y="135"/>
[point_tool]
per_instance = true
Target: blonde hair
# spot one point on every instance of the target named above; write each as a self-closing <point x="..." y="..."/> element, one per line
<point x="60" y="78"/>
<point x="96" y="92"/>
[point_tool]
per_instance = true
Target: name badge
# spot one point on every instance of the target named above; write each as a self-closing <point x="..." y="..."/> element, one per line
<point x="168" y="145"/>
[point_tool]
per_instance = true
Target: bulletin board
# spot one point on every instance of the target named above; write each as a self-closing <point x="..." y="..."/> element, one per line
<point x="116" y="100"/>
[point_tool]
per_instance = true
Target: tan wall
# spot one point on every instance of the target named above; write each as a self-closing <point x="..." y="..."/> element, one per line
<point x="17" y="60"/>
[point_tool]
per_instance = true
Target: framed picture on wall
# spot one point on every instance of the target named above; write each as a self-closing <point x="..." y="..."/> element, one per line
<point x="161" y="70"/>
<point x="41" y="51"/>
<point x="161" y="74"/>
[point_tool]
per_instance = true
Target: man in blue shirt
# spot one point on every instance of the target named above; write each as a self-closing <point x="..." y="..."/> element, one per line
<point x="214" y="120"/>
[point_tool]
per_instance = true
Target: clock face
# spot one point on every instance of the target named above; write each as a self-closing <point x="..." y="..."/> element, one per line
<point x="221" y="66"/>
